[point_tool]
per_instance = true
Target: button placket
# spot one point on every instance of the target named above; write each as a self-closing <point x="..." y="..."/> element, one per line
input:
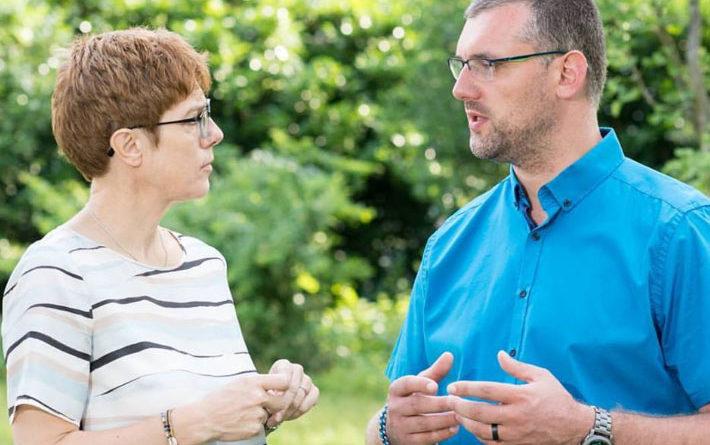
<point x="531" y="258"/>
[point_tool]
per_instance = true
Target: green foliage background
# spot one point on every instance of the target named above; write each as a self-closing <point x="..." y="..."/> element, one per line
<point x="343" y="150"/>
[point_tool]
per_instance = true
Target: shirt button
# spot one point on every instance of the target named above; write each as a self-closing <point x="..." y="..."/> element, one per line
<point x="523" y="294"/>
<point x="536" y="236"/>
<point x="512" y="352"/>
<point x="567" y="203"/>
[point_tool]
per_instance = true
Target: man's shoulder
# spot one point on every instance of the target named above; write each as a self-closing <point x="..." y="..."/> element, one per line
<point x="651" y="184"/>
<point x="463" y="216"/>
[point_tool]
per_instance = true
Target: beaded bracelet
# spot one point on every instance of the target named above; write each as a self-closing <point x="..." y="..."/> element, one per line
<point x="167" y="428"/>
<point x="383" y="427"/>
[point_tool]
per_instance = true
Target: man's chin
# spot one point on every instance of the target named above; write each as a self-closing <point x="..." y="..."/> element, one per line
<point x="482" y="151"/>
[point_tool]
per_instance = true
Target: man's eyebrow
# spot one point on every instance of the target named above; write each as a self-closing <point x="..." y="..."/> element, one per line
<point x="476" y="56"/>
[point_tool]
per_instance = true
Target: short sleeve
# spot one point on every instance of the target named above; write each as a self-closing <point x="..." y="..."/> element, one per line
<point x="409" y="354"/>
<point x="46" y="335"/>
<point x="684" y="305"/>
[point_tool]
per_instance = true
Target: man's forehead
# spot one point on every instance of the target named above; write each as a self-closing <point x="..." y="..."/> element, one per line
<point x="493" y="30"/>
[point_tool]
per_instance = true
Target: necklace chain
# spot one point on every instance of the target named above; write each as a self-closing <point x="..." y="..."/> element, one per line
<point x="117" y="243"/>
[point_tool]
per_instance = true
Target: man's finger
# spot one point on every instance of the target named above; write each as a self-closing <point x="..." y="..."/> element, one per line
<point x="409" y="384"/>
<point x="521" y="371"/>
<point x="482" y="431"/>
<point x="480" y="411"/>
<point x="440" y="368"/>
<point x="430" y="437"/>
<point x="493" y="391"/>
<point x="427" y="422"/>
<point x="422" y="404"/>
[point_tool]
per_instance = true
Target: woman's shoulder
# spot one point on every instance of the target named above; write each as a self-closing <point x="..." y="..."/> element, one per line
<point x="46" y="272"/>
<point x="196" y="248"/>
<point x="55" y="249"/>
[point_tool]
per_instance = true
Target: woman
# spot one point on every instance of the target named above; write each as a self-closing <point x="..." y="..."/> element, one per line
<point x="115" y="329"/>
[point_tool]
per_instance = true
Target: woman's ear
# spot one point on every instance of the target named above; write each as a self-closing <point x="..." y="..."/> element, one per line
<point x="127" y="146"/>
<point x="572" y="79"/>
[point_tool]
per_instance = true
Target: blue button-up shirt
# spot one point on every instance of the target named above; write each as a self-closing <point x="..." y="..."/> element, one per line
<point x="611" y="293"/>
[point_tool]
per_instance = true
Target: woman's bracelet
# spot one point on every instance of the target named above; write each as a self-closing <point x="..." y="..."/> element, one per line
<point x="383" y="427"/>
<point x="168" y="428"/>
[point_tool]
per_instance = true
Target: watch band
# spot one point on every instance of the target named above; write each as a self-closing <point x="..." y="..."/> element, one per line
<point x="601" y="431"/>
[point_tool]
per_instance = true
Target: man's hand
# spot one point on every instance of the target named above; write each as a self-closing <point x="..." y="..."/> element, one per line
<point x="415" y="414"/>
<point x="541" y="411"/>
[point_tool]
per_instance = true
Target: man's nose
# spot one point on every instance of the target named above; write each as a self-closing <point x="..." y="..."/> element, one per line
<point x="466" y="87"/>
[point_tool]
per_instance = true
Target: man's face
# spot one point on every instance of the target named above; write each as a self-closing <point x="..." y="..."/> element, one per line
<point x="510" y="114"/>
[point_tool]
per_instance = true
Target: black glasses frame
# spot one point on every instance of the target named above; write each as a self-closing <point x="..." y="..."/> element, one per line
<point x="201" y="119"/>
<point x="454" y="62"/>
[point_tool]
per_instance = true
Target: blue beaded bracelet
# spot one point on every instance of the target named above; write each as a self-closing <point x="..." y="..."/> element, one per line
<point x="383" y="427"/>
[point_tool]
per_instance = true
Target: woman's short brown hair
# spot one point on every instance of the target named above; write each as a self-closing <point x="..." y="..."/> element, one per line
<point x="116" y="80"/>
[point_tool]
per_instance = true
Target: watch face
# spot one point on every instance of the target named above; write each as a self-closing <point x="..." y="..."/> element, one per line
<point x="596" y="439"/>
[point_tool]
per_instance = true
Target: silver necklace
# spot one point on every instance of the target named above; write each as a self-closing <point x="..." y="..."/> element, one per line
<point x="117" y="243"/>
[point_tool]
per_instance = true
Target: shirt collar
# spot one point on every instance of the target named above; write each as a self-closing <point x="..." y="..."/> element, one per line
<point x="579" y="179"/>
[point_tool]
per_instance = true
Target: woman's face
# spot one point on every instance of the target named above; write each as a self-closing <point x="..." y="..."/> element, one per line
<point x="181" y="163"/>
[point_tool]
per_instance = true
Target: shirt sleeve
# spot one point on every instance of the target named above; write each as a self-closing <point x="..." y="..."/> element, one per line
<point x="46" y="335"/>
<point x="409" y="354"/>
<point x="684" y="305"/>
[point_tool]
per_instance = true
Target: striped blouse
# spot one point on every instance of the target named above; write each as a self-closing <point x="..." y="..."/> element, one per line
<point x="103" y="341"/>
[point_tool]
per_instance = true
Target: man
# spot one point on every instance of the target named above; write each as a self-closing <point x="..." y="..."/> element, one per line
<point x="589" y="270"/>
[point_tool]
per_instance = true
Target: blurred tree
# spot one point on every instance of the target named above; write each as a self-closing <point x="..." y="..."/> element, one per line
<point x="343" y="149"/>
<point x="654" y="89"/>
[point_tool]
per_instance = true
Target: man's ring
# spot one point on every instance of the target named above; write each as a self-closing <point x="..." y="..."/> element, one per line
<point x="494" y="432"/>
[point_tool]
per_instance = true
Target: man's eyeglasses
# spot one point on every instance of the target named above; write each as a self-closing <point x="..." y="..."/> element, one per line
<point x="202" y="120"/>
<point x="484" y="69"/>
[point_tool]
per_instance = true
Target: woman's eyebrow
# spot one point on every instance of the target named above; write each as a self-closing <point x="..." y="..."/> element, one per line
<point x="195" y="109"/>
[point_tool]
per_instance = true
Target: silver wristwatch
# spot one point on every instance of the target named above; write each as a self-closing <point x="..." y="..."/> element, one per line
<point x="600" y="434"/>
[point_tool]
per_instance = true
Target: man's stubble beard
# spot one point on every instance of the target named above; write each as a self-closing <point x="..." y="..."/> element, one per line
<point x="525" y="145"/>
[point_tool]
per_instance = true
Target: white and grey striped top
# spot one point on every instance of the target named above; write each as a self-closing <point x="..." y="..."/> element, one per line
<point x="103" y="341"/>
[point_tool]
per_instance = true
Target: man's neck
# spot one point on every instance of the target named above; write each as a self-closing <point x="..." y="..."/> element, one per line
<point x="565" y="148"/>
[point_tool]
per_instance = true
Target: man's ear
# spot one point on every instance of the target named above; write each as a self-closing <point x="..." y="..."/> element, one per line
<point x="127" y="146"/>
<point x="572" y="75"/>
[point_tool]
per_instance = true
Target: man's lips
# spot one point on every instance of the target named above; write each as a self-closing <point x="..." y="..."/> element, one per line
<point x="475" y="121"/>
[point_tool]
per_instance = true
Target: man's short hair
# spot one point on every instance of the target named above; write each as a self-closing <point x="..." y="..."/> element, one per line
<point x="566" y="25"/>
<point x="117" y="80"/>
